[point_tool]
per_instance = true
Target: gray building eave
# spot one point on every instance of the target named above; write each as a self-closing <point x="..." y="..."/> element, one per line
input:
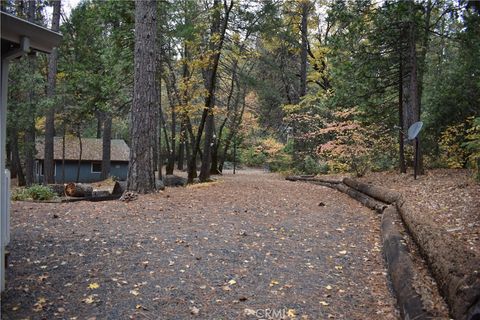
<point x="13" y="29"/>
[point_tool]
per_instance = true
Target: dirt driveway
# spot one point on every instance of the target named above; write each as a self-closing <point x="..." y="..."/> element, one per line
<point x="245" y="247"/>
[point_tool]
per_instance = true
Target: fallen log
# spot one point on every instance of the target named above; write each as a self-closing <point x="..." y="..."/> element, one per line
<point x="106" y="186"/>
<point x="400" y="268"/>
<point x="382" y="194"/>
<point x="122" y="186"/>
<point x="78" y="190"/>
<point x="455" y="268"/>
<point x="159" y="185"/>
<point x="174" y="181"/>
<point x="335" y="184"/>
<point x="58" y="189"/>
<point x="92" y="199"/>
<point x="312" y="179"/>
<point x="361" y="197"/>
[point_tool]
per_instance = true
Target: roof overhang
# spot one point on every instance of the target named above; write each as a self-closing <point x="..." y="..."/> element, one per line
<point x="19" y="34"/>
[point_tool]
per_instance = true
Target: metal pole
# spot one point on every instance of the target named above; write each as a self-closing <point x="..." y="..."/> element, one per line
<point x="415" y="169"/>
<point x="3" y="187"/>
<point x="234" y="155"/>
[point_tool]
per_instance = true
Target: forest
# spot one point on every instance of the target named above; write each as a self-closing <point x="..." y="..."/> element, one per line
<point x="122" y="139"/>
<point x="298" y="86"/>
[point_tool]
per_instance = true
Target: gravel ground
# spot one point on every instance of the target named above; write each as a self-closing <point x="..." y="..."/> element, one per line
<point x="243" y="247"/>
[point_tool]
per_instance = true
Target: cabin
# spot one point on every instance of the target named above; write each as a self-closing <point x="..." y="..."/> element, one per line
<point x="89" y="160"/>
<point x="19" y="37"/>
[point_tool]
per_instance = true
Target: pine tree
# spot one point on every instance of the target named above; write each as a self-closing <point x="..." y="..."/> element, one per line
<point x="141" y="176"/>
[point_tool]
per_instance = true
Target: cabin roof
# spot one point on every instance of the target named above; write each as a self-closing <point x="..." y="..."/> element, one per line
<point x="91" y="149"/>
<point x="13" y="29"/>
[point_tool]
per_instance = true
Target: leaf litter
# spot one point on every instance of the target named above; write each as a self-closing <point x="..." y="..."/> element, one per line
<point x="250" y="242"/>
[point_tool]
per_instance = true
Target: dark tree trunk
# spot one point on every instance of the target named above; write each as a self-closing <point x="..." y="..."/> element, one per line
<point x="298" y="146"/>
<point x="106" y="145"/>
<point x="16" y="163"/>
<point x="100" y="119"/>
<point x="421" y="70"/>
<point x="401" y="144"/>
<point x="232" y="109"/>
<point x="29" y="149"/>
<point x="188" y="150"/>
<point x="64" y="132"/>
<point x="305" y="7"/>
<point x="79" y="164"/>
<point x="233" y="131"/>
<point x="173" y="128"/>
<point x="159" y="130"/>
<point x="414" y="86"/>
<point x="141" y="176"/>
<point x="411" y="88"/>
<point x="207" y="148"/>
<point x="50" y="114"/>
<point x="211" y="82"/>
<point x="214" y="165"/>
<point x="181" y="147"/>
<point x="216" y="162"/>
<point x="30" y="154"/>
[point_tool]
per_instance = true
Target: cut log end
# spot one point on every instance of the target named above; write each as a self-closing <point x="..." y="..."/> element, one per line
<point x="78" y="190"/>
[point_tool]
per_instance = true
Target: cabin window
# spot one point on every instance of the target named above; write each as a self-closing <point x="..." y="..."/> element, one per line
<point x="96" y="167"/>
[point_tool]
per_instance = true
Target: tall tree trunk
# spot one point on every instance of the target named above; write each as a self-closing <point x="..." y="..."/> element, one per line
<point x="106" y="145"/>
<point x="145" y="99"/>
<point x="181" y="147"/>
<point x="422" y="70"/>
<point x="215" y="168"/>
<point x="188" y="150"/>
<point x="411" y="99"/>
<point x="233" y="131"/>
<point x="30" y="154"/>
<point x="80" y="153"/>
<point x="298" y="146"/>
<point x="211" y="81"/>
<point x="50" y="114"/>
<point x="173" y="128"/>
<point x="159" y="150"/>
<point x="305" y="8"/>
<point x="30" y="129"/>
<point x="401" y="144"/>
<point x="215" y="160"/>
<point x="100" y="120"/>
<point x="207" y="148"/>
<point x="64" y="133"/>
<point x="414" y="93"/>
<point x="160" y="126"/>
<point x="16" y="163"/>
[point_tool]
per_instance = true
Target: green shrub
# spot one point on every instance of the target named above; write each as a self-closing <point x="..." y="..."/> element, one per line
<point x="267" y="152"/>
<point x="39" y="192"/>
<point x="35" y="192"/>
<point x="311" y="166"/>
<point x="280" y="162"/>
<point x="19" y="194"/>
<point x="472" y="145"/>
<point x="252" y="158"/>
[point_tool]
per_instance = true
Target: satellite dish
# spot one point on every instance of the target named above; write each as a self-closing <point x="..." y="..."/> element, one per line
<point x="414" y="130"/>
